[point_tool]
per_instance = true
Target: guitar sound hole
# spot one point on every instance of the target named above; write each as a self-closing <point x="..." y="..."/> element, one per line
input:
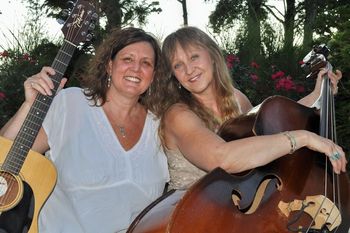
<point x="19" y="218"/>
<point x="10" y="190"/>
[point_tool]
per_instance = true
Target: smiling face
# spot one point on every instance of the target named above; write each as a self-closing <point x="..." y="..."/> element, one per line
<point x="193" y="68"/>
<point x="132" y="69"/>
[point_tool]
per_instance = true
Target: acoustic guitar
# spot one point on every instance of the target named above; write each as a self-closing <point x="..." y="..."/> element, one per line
<point x="27" y="178"/>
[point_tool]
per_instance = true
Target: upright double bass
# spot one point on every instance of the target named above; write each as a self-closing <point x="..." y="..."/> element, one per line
<point x="295" y="193"/>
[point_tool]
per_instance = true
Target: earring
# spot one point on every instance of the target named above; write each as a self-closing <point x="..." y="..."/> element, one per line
<point x="109" y="80"/>
<point x="179" y="85"/>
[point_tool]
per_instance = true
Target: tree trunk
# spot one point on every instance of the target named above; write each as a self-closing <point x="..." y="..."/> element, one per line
<point x="252" y="47"/>
<point x="112" y="9"/>
<point x="184" y="11"/>
<point x="289" y="26"/>
<point x="310" y="17"/>
<point x="288" y="48"/>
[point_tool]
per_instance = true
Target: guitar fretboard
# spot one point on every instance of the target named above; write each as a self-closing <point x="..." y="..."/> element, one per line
<point x="32" y="123"/>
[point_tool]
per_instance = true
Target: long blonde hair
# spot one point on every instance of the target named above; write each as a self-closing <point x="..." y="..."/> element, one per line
<point x="169" y="92"/>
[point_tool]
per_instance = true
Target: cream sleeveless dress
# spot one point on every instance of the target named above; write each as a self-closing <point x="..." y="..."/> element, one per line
<point x="182" y="173"/>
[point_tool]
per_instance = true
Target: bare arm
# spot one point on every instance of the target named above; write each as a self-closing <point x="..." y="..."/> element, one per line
<point x="185" y="131"/>
<point x="42" y="83"/>
<point x="310" y="99"/>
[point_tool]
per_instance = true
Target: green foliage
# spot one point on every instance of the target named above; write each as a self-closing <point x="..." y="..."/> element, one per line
<point x="340" y="51"/>
<point x="226" y="12"/>
<point x="16" y="66"/>
<point x="112" y="13"/>
<point x="26" y="52"/>
<point x="331" y="27"/>
<point x="259" y="81"/>
<point x="331" y="15"/>
<point x="24" y="55"/>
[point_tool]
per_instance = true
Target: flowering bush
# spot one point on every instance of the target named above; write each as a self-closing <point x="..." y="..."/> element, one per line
<point x="13" y="70"/>
<point x="259" y="82"/>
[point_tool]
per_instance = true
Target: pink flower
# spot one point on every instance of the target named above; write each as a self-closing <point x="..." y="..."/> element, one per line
<point x="231" y="59"/>
<point x="254" y="77"/>
<point x="26" y="57"/>
<point x="2" y="95"/>
<point x="285" y="83"/>
<point x="4" y="54"/>
<point x="277" y="75"/>
<point x="254" y="65"/>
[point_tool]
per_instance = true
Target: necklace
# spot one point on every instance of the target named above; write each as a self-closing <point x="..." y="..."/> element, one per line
<point x="122" y="131"/>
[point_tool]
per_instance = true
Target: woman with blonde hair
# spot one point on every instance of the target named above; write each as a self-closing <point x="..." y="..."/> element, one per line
<point x="198" y="96"/>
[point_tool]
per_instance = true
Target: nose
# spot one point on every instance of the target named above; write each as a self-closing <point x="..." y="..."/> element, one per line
<point x="136" y="66"/>
<point x="189" y="68"/>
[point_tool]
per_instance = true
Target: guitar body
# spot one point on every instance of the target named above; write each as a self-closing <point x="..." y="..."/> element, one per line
<point x="27" y="178"/>
<point x="38" y="175"/>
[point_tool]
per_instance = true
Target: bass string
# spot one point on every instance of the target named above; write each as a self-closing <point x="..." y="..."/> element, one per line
<point x="328" y="130"/>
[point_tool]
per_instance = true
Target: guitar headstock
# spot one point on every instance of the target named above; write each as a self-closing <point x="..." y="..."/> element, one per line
<point x="80" y="22"/>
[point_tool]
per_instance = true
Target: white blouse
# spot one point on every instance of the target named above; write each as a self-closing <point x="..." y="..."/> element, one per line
<point x="100" y="187"/>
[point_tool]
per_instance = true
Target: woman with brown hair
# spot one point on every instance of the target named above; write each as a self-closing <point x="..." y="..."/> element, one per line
<point x="101" y="138"/>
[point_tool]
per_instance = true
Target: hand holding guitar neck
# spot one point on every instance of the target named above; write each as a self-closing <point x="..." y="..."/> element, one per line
<point x="25" y="175"/>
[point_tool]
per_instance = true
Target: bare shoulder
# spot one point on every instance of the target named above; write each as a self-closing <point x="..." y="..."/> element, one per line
<point x="243" y="101"/>
<point x="178" y="121"/>
<point x="178" y="115"/>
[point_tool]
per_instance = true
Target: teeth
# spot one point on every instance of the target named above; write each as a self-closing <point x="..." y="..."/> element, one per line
<point x="194" y="78"/>
<point x="132" y="79"/>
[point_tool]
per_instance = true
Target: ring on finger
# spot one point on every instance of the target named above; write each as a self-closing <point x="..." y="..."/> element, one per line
<point x="335" y="156"/>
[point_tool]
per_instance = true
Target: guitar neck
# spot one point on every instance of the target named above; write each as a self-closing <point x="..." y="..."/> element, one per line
<point x="33" y="121"/>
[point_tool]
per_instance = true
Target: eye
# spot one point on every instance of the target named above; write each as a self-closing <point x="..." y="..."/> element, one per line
<point x="127" y="59"/>
<point x="194" y="57"/>
<point x="148" y="63"/>
<point x="177" y="66"/>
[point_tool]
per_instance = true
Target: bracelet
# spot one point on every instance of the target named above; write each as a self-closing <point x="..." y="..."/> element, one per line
<point x="293" y="143"/>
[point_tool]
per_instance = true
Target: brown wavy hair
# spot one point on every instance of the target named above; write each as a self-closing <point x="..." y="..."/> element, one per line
<point x="95" y="80"/>
<point x="169" y="92"/>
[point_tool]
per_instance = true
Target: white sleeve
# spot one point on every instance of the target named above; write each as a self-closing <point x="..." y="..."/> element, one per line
<point x="55" y="118"/>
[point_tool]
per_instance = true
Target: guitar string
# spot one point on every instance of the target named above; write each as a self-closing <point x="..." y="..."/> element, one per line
<point x="33" y="122"/>
<point x="56" y="65"/>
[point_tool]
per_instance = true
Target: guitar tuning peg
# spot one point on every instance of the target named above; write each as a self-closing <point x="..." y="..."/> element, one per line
<point x="94" y="17"/>
<point x="91" y="27"/>
<point x="70" y="4"/>
<point x="89" y="37"/>
<point x="63" y="16"/>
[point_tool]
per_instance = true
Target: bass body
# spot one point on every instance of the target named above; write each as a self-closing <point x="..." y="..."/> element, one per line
<point x="284" y="196"/>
